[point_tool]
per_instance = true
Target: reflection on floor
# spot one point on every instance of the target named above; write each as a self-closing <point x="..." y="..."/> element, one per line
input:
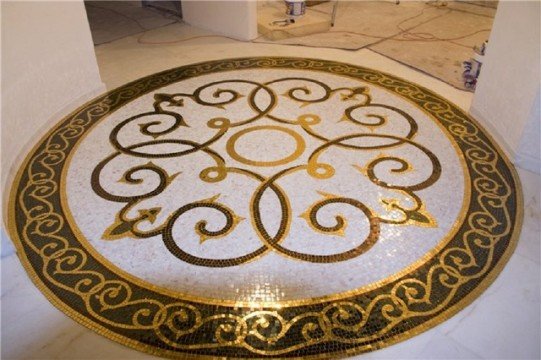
<point x="475" y="332"/>
<point x="430" y="37"/>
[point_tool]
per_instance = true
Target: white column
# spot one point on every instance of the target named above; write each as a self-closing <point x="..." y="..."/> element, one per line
<point x="506" y="100"/>
<point x="48" y="68"/>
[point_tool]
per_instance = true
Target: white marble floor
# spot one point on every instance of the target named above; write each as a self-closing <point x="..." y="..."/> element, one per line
<point x="504" y="322"/>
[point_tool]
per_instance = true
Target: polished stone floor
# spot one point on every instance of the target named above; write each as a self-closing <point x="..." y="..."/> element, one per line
<point x="475" y="332"/>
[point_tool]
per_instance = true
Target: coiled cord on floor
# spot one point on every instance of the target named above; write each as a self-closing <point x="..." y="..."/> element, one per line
<point x="408" y="36"/>
<point x="413" y="36"/>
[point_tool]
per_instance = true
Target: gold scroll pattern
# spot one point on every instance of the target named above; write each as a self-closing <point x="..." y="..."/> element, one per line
<point x="96" y="296"/>
<point x="220" y="94"/>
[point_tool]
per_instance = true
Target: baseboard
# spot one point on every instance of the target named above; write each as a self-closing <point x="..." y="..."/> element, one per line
<point x="523" y="161"/>
<point x="32" y="140"/>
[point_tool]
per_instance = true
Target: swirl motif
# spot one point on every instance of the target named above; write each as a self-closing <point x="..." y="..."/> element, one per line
<point x="362" y="113"/>
<point x="162" y="324"/>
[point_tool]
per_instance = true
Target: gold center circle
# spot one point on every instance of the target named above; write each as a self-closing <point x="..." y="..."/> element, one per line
<point x="299" y="149"/>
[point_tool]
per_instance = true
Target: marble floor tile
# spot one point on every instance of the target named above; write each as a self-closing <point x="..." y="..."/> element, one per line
<point x="112" y="20"/>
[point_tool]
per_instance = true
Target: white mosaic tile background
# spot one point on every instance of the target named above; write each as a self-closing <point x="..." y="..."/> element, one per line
<point x="148" y="259"/>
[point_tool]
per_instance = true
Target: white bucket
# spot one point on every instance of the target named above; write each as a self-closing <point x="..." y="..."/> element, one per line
<point x="295" y="8"/>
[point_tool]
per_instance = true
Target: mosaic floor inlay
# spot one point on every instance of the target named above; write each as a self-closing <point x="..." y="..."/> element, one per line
<point x="265" y="207"/>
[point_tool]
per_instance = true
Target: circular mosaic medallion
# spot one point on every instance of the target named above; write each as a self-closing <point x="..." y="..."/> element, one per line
<point x="265" y="207"/>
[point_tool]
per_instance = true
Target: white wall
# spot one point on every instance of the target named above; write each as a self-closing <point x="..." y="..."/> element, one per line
<point x="48" y="68"/>
<point x="237" y="19"/>
<point x="507" y="93"/>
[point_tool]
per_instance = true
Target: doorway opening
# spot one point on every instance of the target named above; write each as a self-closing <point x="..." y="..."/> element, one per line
<point x="113" y="20"/>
